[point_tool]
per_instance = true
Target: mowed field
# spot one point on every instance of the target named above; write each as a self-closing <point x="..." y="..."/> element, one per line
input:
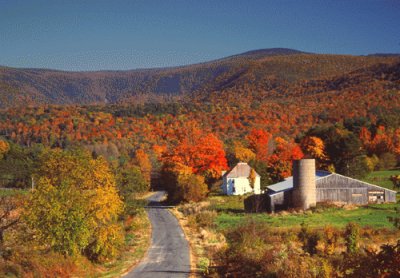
<point x="231" y="211"/>
<point x="381" y="178"/>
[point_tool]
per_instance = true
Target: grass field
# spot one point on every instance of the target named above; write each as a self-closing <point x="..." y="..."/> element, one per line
<point x="381" y="178"/>
<point x="12" y="192"/>
<point x="231" y="213"/>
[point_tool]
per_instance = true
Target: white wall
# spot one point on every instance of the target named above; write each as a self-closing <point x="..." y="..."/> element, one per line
<point x="242" y="186"/>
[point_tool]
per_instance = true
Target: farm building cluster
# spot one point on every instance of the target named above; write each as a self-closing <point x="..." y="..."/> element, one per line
<point x="304" y="189"/>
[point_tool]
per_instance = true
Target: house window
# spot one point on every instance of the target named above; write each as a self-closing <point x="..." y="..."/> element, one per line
<point x="233" y="186"/>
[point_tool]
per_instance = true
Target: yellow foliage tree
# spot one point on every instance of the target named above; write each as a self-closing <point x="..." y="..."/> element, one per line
<point x="242" y="153"/>
<point x="143" y="161"/>
<point x="252" y="177"/>
<point x="4" y="148"/>
<point x="314" y="147"/>
<point x="75" y="205"/>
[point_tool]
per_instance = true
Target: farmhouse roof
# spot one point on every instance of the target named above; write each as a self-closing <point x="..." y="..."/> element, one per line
<point x="241" y="170"/>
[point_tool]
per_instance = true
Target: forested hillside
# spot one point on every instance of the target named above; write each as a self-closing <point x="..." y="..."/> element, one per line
<point x="64" y="135"/>
<point x="268" y="70"/>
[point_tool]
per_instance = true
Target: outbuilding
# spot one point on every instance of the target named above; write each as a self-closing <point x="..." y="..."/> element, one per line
<point x="238" y="181"/>
<point x="307" y="187"/>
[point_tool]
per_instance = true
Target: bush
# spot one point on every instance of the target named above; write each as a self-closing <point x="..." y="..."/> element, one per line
<point x="204" y="219"/>
<point x="191" y="188"/>
<point x="256" y="251"/>
<point x="193" y="208"/>
<point x="133" y="207"/>
<point x="309" y="239"/>
<point x="351" y="234"/>
<point x="182" y="185"/>
<point x="330" y="239"/>
<point x="384" y="263"/>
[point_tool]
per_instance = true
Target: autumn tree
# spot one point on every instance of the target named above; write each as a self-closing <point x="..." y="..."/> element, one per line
<point x="252" y="178"/>
<point x="241" y="153"/>
<point x="395" y="179"/>
<point x="4" y="148"/>
<point x="17" y="165"/>
<point x="280" y="162"/>
<point x="381" y="143"/>
<point x="143" y="161"/>
<point x="262" y="169"/>
<point x="314" y="147"/>
<point x="260" y="143"/>
<point x="203" y="153"/>
<point x="130" y="180"/>
<point x="75" y="205"/>
<point x="181" y="184"/>
<point x="9" y="214"/>
<point x="344" y="149"/>
<point x="191" y="188"/>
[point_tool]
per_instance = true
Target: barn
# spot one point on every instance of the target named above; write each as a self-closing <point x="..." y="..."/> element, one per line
<point x="308" y="187"/>
<point x="237" y="180"/>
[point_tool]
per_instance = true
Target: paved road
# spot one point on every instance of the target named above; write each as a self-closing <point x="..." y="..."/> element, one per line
<point x="168" y="255"/>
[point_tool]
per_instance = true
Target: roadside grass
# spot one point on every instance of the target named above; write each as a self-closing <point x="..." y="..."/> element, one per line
<point x="137" y="239"/>
<point x="231" y="213"/>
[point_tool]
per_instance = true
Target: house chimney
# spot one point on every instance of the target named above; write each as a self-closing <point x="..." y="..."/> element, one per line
<point x="304" y="187"/>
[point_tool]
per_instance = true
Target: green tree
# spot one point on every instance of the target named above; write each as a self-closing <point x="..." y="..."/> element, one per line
<point x="352" y="234"/>
<point x="17" y="165"/>
<point x="342" y="146"/>
<point x="131" y="180"/>
<point x="262" y="169"/>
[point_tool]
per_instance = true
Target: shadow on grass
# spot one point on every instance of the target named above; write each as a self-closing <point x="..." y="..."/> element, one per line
<point x="383" y="206"/>
<point x="230" y="210"/>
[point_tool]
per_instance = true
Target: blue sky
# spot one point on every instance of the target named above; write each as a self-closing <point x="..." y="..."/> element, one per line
<point x="94" y="35"/>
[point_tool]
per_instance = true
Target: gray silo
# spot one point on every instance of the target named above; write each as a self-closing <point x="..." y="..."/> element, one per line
<point x="304" y="186"/>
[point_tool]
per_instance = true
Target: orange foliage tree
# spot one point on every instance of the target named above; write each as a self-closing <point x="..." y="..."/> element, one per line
<point x="280" y="162"/>
<point x="143" y="161"/>
<point x="203" y="153"/>
<point x="259" y="142"/>
<point x="4" y="148"/>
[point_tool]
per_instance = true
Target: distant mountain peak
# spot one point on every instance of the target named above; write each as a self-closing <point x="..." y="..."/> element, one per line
<point x="270" y="52"/>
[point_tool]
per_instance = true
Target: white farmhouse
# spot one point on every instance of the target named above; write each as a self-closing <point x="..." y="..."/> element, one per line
<point x="237" y="180"/>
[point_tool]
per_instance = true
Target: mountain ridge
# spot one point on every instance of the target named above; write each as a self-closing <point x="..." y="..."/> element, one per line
<point x="258" y="70"/>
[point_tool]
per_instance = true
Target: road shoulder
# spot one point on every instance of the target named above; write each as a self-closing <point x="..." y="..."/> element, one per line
<point x="194" y="271"/>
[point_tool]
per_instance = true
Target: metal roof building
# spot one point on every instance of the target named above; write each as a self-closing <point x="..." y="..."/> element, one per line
<point x="304" y="190"/>
<point x="331" y="187"/>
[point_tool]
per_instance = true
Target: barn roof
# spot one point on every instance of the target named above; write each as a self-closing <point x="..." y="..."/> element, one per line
<point x="287" y="184"/>
<point x="241" y="170"/>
